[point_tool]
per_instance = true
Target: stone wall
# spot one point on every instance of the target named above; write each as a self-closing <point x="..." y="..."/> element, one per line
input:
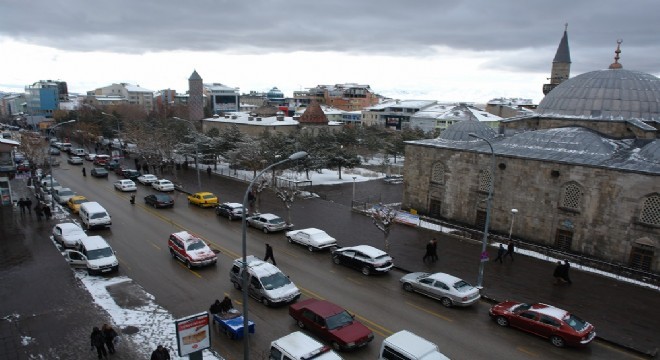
<point x="604" y="225"/>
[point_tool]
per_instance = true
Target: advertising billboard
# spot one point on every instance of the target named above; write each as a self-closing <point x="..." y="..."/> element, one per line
<point x="193" y="333"/>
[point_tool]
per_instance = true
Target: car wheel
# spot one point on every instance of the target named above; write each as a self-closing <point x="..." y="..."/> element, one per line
<point x="155" y="206"/>
<point x="188" y="264"/>
<point x="310" y="248"/>
<point x="366" y="270"/>
<point x="290" y="239"/>
<point x="335" y="345"/>
<point x="300" y="324"/>
<point x="557" y="341"/>
<point x="407" y="287"/>
<point x="446" y="302"/>
<point x="237" y="286"/>
<point x="229" y="217"/>
<point x="265" y="230"/>
<point x="502" y="321"/>
<point x="336" y="260"/>
<point x="173" y="254"/>
<point x="265" y="301"/>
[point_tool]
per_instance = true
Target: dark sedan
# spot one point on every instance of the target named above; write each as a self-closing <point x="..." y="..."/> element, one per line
<point x="159" y="200"/>
<point x="99" y="172"/>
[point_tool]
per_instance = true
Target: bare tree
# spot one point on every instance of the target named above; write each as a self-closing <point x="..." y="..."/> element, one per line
<point x="258" y="187"/>
<point x="287" y="196"/>
<point x="383" y="217"/>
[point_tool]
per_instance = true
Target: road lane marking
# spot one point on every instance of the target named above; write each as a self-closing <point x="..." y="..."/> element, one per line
<point x="156" y="246"/>
<point x="123" y="262"/>
<point x="354" y="281"/>
<point x="430" y="312"/>
<point x="191" y="270"/>
<point x="525" y="351"/>
<point x="310" y="293"/>
<point x="380" y="330"/>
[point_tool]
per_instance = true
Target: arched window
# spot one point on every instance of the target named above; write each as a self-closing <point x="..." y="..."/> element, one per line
<point x="572" y="197"/>
<point x="485" y="180"/>
<point x="438" y="173"/>
<point x="651" y="210"/>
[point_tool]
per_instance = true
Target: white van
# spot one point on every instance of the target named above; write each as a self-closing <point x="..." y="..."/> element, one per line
<point x="78" y="152"/>
<point x="405" y="345"/>
<point x="266" y="282"/>
<point x="95" y="254"/>
<point x="93" y="215"/>
<point x="298" y="346"/>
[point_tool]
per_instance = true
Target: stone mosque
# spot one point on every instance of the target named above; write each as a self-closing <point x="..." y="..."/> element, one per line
<point x="582" y="172"/>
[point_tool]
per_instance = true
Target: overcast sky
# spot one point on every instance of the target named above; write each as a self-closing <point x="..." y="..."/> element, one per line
<point x="449" y="50"/>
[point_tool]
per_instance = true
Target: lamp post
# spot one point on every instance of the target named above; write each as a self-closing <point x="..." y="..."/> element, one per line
<point x="199" y="181"/>
<point x="513" y="215"/>
<point x="244" y="284"/>
<point x="489" y="202"/>
<point x="354" y="177"/>
<point x="50" y="162"/>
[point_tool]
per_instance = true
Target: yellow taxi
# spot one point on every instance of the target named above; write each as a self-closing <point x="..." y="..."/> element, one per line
<point x="203" y="199"/>
<point x="74" y="203"/>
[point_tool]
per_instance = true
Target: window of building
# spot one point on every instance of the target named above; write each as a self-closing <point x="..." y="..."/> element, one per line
<point x="485" y="180"/>
<point x="438" y="173"/>
<point x="651" y="210"/>
<point x="563" y="240"/>
<point x="642" y="254"/>
<point x="435" y="208"/>
<point x="572" y="197"/>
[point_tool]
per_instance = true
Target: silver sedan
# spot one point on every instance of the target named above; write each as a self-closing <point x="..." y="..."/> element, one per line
<point x="449" y="289"/>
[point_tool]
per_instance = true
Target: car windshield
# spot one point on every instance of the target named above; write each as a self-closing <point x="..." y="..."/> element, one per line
<point x="209" y="196"/>
<point x="575" y="322"/>
<point x="99" y="253"/>
<point x="98" y="215"/>
<point x="275" y="281"/>
<point x="65" y="193"/>
<point x="520" y="307"/>
<point x="462" y="286"/>
<point x="383" y="257"/>
<point x="339" y="320"/>
<point x="195" y="245"/>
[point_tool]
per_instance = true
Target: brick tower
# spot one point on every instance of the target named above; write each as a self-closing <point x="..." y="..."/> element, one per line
<point x="561" y="64"/>
<point x="195" y="97"/>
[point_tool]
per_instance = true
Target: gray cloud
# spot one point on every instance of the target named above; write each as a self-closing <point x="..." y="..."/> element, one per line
<point x="401" y="28"/>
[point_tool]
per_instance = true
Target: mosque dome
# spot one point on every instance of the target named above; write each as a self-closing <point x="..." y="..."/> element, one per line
<point x="460" y="131"/>
<point x="612" y="94"/>
<point x="275" y="94"/>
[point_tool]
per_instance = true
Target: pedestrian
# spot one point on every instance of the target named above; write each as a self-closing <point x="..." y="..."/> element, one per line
<point x="269" y="254"/>
<point x="84" y="172"/>
<point x="558" y="273"/>
<point x="132" y="199"/>
<point x="208" y="170"/>
<point x="21" y="204"/>
<point x="47" y="212"/>
<point x="434" y="250"/>
<point x="109" y="335"/>
<point x="38" y="210"/>
<point x="145" y="168"/>
<point x="510" y="248"/>
<point x="160" y="353"/>
<point x="98" y="343"/>
<point x="251" y="201"/>
<point x="500" y="253"/>
<point x="137" y="164"/>
<point x="429" y="251"/>
<point x="28" y="205"/>
<point x="565" y="275"/>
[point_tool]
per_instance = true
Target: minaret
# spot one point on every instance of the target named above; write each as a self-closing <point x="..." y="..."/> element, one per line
<point x="195" y="97"/>
<point x="561" y="65"/>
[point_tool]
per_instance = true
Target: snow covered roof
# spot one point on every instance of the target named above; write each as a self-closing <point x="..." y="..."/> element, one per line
<point x="511" y="102"/>
<point x="9" y="142"/>
<point x="454" y="112"/>
<point x="245" y="118"/>
<point x="406" y="104"/>
<point x="367" y="250"/>
<point x="136" y="88"/>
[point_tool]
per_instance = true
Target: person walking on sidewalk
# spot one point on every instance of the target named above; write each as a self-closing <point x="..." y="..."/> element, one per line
<point x="429" y="251"/>
<point x="565" y="276"/>
<point x="558" y="274"/>
<point x="109" y="335"/>
<point x="47" y="212"/>
<point x="500" y="253"/>
<point x="28" y="205"/>
<point x="434" y="250"/>
<point x="98" y="343"/>
<point x="21" y="204"/>
<point x="38" y="210"/>
<point x="208" y="170"/>
<point x="84" y="172"/>
<point x="160" y="353"/>
<point x="510" y="248"/>
<point x="269" y="254"/>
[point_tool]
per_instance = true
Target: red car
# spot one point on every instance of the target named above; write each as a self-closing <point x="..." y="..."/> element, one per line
<point x="191" y="250"/>
<point x="331" y="323"/>
<point x="560" y="326"/>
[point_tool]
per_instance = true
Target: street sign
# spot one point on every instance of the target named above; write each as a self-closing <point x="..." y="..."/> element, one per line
<point x="193" y="333"/>
<point x="484" y="256"/>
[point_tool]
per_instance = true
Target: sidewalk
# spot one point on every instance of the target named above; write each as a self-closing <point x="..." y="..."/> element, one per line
<point x="624" y="314"/>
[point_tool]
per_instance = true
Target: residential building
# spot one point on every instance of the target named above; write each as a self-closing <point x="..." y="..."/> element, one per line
<point x="438" y="117"/>
<point x="43" y="97"/>
<point x="347" y="97"/>
<point x="510" y="107"/>
<point x="394" y="114"/>
<point x="123" y="93"/>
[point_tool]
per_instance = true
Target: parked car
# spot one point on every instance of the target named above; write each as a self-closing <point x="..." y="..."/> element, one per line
<point x="49" y="186"/>
<point x="75" y="160"/>
<point x="298" y="346"/>
<point x="146" y="179"/>
<point x="51" y="161"/>
<point x="111" y="165"/>
<point x="99" y="172"/>
<point x="560" y="326"/>
<point x="90" y="156"/>
<point x="191" y="250"/>
<point x="68" y="234"/>
<point x="119" y="170"/>
<point x="163" y="185"/>
<point x="101" y="160"/>
<point x="159" y="200"/>
<point x="74" y="203"/>
<point x="330" y="322"/>
<point x="125" y="185"/>
<point x="267" y="222"/>
<point x="203" y="199"/>
<point x="131" y="174"/>
<point x="365" y="258"/>
<point x="313" y="238"/>
<point x="54" y="151"/>
<point x="62" y="195"/>
<point x="230" y="210"/>
<point x="449" y="289"/>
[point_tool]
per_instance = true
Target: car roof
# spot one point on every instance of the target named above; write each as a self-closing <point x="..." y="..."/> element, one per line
<point x="202" y="193"/>
<point x="413" y="344"/>
<point x="366" y="249"/>
<point x="323" y="308"/>
<point x="444" y="277"/>
<point x="312" y="231"/>
<point x="300" y="345"/>
<point x="257" y="266"/>
<point x="549" y="310"/>
<point x="68" y="226"/>
<point x="233" y="204"/>
<point x="186" y="236"/>
<point x="94" y="242"/>
<point x="268" y="216"/>
<point x="164" y="180"/>
<point x="160" y="195"/>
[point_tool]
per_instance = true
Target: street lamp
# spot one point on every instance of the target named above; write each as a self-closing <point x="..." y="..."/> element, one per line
<point x="246" y="348"/>
<point x="354" y="177"/>
<point x="199" y="181"/>
<point x="50" y="162"/>
<point x="489" y="202"/>
<point x="513" y="215"/>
